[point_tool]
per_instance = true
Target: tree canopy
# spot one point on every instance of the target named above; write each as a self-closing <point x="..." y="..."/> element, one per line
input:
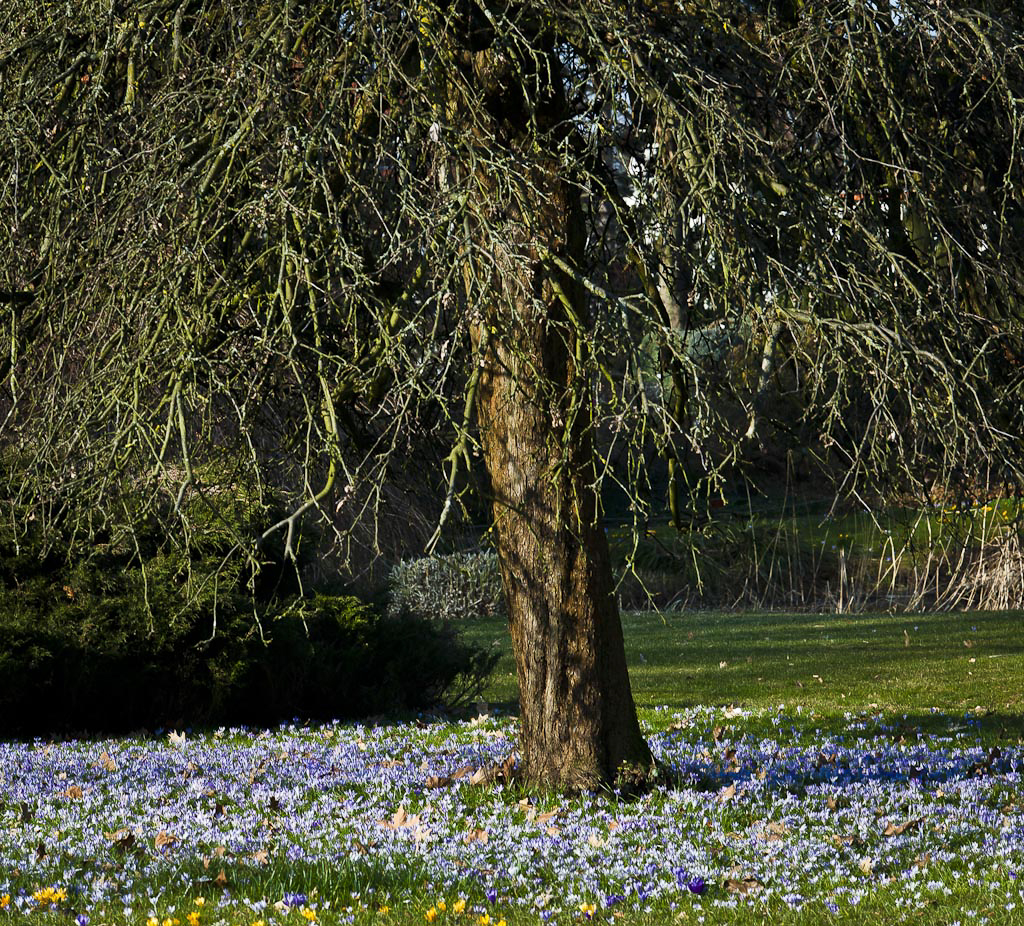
<point x="298" y="242"/>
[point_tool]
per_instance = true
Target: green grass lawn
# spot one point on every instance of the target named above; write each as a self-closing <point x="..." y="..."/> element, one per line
<point x="828" y="664"/>
<point x="838" y="770"/>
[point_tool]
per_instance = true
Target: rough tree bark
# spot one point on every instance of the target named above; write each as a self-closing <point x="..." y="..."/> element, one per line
<point x="579" y="728"/>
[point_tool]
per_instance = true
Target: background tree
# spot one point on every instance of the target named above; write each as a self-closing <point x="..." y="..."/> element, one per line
<point x="292" y="244"/>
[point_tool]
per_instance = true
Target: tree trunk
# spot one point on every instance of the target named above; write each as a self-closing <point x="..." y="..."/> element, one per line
<point x="579" y="728"/>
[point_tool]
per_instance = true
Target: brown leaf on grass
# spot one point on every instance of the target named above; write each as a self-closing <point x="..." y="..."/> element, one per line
<point x="488" y="774"/>
<point x="218" y="852"/>
<point x="163" y="838"/>
<point x="438" y="781"/>
<point x="476" y="835"/>
<point x="727" y="794"/>
<point x="866" y="865"/>
<point x="74" y="792"/>
<point x="261" y="857"/>
<point x="221" y="880"/>
<point x="549" y="815"/>
<point x="743" y="886"/>
<point x="775" y="830"/>
<point x="122" y="839"/>
<point x="480" y="776"/>
<point x="854" y="841"/>
<point x="400" y="819"/>
<point x="716" y="733"/>
<point x="107" y="763"/>
<point x="462" y="771"/>
<point x="968" y="643"/>
<point x="899" y="829"/>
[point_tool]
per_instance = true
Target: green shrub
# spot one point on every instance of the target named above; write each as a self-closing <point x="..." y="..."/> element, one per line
<point x="456" y="587"/>
<point x="337" y="656"/>
<point x="103" y="645"/>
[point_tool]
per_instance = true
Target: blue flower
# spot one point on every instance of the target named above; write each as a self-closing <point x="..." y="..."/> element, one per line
<point x="697" y="886"/>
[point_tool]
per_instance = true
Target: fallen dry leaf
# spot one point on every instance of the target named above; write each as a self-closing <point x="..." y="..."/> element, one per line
<point x="400" y="820"/>
<point x="107" y="763"/>
<point x="727" y="794"/>
<point x="476" y="835"/>
<point x="746" y="885"/>
<point x="898" y="830"/>
<point x="74" y="792"/>
<point x="479" y="776"/>
<point x="122" y="839"/>
<point x="775" y="831"/>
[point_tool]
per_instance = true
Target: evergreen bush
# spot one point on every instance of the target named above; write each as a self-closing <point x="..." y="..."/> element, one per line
<point x="113" y="642"/>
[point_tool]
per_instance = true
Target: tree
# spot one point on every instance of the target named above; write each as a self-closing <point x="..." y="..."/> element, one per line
<point x="292" y="243"/>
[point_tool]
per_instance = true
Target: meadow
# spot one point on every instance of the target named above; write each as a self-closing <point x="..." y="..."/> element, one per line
<point x="822" y="769"/>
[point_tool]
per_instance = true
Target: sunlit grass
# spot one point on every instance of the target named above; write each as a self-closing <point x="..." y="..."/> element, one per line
<point x="829" y="664"/>
<point x="828" y="770"/>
